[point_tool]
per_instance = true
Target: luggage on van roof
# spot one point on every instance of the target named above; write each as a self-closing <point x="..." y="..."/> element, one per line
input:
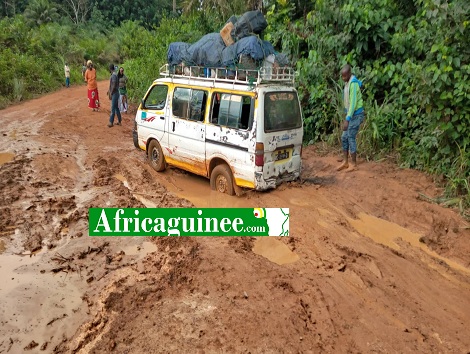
<point x="244" y="46"/>
<point x="251" y="46"/>
<point x="207" y="51"/>
<point x="250" y="22"/>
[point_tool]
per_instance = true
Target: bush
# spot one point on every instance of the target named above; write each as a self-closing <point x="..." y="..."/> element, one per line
<point x="412" y="59"/>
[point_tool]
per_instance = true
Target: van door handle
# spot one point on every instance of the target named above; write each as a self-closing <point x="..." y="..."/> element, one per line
<point x="173" y="126"/>
<point x="162" y="117"/>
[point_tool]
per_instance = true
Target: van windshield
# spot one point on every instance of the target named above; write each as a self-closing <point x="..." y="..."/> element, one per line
<point x="281" y="111"/>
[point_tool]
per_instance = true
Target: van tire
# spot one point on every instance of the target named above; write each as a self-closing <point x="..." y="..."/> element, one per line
<point x="155" y="156"/>
<point x="135" y="138"/>
<point x="222" y="179"/>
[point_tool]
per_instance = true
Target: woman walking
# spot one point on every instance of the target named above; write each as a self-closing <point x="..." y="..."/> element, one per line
<point x="90" y="78"/>
<point x="122" y="90"/>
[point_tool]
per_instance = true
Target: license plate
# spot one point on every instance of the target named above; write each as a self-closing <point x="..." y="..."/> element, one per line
<point x="282" y="155"/>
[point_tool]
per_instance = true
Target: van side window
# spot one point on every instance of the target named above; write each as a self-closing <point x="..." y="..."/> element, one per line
<point x="189" y="104"/>
<point x="232" y="111"/>
<point x="156" y="98"/>
<point x="181" y="102"/>
<point x="197" y="109"/>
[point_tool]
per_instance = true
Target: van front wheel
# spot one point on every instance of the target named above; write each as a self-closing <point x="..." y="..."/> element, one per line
<point x="155" y="156"/>
<point x="222" y="180"/>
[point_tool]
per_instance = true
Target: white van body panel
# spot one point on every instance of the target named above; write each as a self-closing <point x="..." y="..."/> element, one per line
<point x="233" y="146"/>
<point x="277" y="171"/>
<point x="186" y="144"/>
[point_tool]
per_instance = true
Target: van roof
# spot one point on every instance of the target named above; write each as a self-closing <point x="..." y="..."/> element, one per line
<point x="241" y="79"/>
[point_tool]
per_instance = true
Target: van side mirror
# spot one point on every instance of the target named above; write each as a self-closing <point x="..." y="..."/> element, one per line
<point x="142" y="104"/>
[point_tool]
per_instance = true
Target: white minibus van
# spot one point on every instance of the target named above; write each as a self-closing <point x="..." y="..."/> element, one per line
<point x="240" y="128"/>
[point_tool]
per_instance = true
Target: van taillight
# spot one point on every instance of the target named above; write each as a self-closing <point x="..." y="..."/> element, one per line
<point x="259" y="154"/>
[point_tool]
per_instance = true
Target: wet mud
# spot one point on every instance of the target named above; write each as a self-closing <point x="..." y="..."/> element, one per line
<point x="369" y="267"/>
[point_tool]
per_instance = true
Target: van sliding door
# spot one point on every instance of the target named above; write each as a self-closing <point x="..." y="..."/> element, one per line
<point x="186" y="130"/>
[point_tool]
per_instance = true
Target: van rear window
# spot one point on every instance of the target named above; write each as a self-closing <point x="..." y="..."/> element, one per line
<point x="281" y="111"/>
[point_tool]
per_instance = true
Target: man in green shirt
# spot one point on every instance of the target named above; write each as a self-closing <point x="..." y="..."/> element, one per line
<point x="354" y="111"/>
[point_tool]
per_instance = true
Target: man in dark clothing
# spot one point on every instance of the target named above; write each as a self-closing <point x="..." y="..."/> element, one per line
<point x="113" y="94"/>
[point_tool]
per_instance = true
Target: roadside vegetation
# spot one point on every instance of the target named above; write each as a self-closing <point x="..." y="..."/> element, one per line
<point x="413" y="57"/>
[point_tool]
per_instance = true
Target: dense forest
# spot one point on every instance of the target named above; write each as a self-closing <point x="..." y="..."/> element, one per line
<point x="413" y="56"/>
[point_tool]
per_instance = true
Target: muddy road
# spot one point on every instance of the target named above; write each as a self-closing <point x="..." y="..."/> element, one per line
<point x="369" y="266"/>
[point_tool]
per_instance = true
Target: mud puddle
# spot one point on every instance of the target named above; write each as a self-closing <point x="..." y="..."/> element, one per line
<point x="197" y="190"/>
<point x="140" y="250"/>
<point x="43" y="305"/>
<point x="36" y="305"/>
<point x="274" y="250"/>
<point x="385" y="233"/>
<point x="194" y="188"/>
<point x="6" y="157"/>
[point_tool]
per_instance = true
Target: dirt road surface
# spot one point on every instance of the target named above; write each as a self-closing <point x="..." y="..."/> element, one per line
<point x="370" y="267"/>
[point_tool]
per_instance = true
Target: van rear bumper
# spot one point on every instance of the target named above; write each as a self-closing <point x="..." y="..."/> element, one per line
<point x="262" y="183"/>
<point x="275" y="173"/>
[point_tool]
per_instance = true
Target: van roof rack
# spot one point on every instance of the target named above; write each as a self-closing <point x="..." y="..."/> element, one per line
<point x="252" y="77"/>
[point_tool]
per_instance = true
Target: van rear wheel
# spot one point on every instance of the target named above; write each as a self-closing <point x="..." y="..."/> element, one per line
<point x="222" y="180"/>
<point x="155" y="156"/>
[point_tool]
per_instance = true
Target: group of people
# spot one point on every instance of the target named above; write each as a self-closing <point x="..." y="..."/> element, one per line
<point x="117" y="92"/>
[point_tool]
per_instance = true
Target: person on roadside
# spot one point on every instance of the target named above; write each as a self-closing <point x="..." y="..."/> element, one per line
<point x="67" y="75"/>
<point x="113" y="95"/>
<point x="354" y="111"/>
<point x="92" y="86"/>
<point x="84" y="69"/>
<point x="122" y="91"/>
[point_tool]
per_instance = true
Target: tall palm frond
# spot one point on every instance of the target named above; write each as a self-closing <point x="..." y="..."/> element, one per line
<point x="41" y="11"/>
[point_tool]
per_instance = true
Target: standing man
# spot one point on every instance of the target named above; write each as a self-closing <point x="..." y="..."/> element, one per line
<point x="84" y="67"/>
<point x="354" y="116"/>
<point x="67" y="75"/>
<point x="113" y="94"/>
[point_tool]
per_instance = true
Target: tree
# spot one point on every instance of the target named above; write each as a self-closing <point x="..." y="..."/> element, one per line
<point x="10" y="8"/>
<point x="147" y="12"/>
<point x="41" y="11"/>
<point x="222" y="7"/>
<point x="77" y="10"/>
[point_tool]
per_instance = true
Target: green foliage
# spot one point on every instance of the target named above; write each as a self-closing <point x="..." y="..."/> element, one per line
<point x="149" y="13"/>
<point x="12" y="7"/>
<point x="32" y="59"/>
<point x="150" y="52"/>
<point x="41" y="11"/>
<point x="18" y="89"/>
<point x="413" y="58"/>
<point x="222" y="9"/>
